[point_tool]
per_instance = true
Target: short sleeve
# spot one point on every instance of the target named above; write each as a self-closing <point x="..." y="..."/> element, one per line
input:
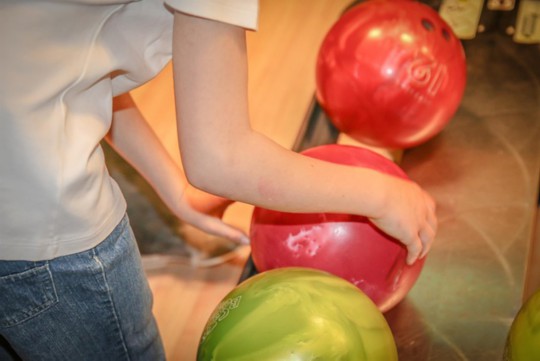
<point x="244" y="13"/>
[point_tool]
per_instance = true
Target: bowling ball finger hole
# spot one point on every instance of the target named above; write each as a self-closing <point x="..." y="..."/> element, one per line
<point x="446" y="34"/>
<point x="428" y="25"/>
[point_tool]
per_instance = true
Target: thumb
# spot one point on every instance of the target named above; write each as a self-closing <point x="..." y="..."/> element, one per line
<point x="217" y="227"/>
<point x="414" y="249"/>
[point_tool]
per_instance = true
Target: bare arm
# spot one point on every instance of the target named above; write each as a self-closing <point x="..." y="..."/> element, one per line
<point x="132" y="137"/>
<point x="223" y="155"/>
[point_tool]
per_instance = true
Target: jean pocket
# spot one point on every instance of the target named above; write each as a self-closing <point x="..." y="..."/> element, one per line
<point x="25" y="294"/>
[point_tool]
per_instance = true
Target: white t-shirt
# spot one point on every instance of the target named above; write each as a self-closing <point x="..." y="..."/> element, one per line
<point x="61" y="63"/>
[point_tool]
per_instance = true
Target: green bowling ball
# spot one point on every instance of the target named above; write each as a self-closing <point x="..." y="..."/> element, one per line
<point x="523" y="342"/>
<point x="296" y="314"/>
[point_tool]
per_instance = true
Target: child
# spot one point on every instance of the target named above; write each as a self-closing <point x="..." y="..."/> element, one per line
<point x="71" y="283"/>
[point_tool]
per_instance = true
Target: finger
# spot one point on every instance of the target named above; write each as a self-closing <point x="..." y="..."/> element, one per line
<point x="433" y="222"/>
<point x="427" y="236"/>
<point x="217" y="227"/>
<point x="413" y="250"/>
<point x="431" y="202"/>
<point x="432" y="215"/>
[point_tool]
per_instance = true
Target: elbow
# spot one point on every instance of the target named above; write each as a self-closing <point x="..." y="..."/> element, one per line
<point x="205" y="173"/>
<point x="195" y="177"/>
<point x="217" y="166"/>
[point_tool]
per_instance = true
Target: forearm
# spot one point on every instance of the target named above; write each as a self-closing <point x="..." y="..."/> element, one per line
<point x="135" y="141"/>
<point x="275" y="178"/>
<point x="223" y="155"/>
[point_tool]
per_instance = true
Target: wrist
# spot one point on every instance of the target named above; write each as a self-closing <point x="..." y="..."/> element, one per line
<point x="377" y="196"/>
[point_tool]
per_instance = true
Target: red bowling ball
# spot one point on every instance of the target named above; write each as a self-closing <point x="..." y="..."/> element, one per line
<point x="345" y="245"/>
<point x="390" y="73"/>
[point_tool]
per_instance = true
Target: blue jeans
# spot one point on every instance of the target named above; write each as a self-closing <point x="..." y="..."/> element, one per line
<point x="94" y="305"/>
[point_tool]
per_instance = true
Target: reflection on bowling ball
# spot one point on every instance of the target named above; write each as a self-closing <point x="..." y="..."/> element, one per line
<point x="523" y="342"/>
<point x="390" y="73"/>
<point x="345" y="245"/>
<point x="296" y="314"/>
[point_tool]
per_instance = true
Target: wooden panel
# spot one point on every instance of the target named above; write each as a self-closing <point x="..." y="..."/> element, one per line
<point x="282" y="58"/>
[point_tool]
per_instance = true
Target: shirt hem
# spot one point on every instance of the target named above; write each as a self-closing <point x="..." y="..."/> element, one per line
<point x="48" y="251"/>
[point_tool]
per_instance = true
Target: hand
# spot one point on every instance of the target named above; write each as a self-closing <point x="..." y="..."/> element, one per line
<point x="204" y="211"/>
<point x="408" y="214"/>
<point x="215" y="226"/>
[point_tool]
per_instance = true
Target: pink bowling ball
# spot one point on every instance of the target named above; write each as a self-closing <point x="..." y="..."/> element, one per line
<point x="390" y="73"/>
<point x="345" y="245"/>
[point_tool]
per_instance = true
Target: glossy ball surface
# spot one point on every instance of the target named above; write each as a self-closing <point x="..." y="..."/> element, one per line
<point x="298" y="315"/>
<point x="390" y="73"/>
<point x="347" y="246"/>
<point x="523" y="342"/>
